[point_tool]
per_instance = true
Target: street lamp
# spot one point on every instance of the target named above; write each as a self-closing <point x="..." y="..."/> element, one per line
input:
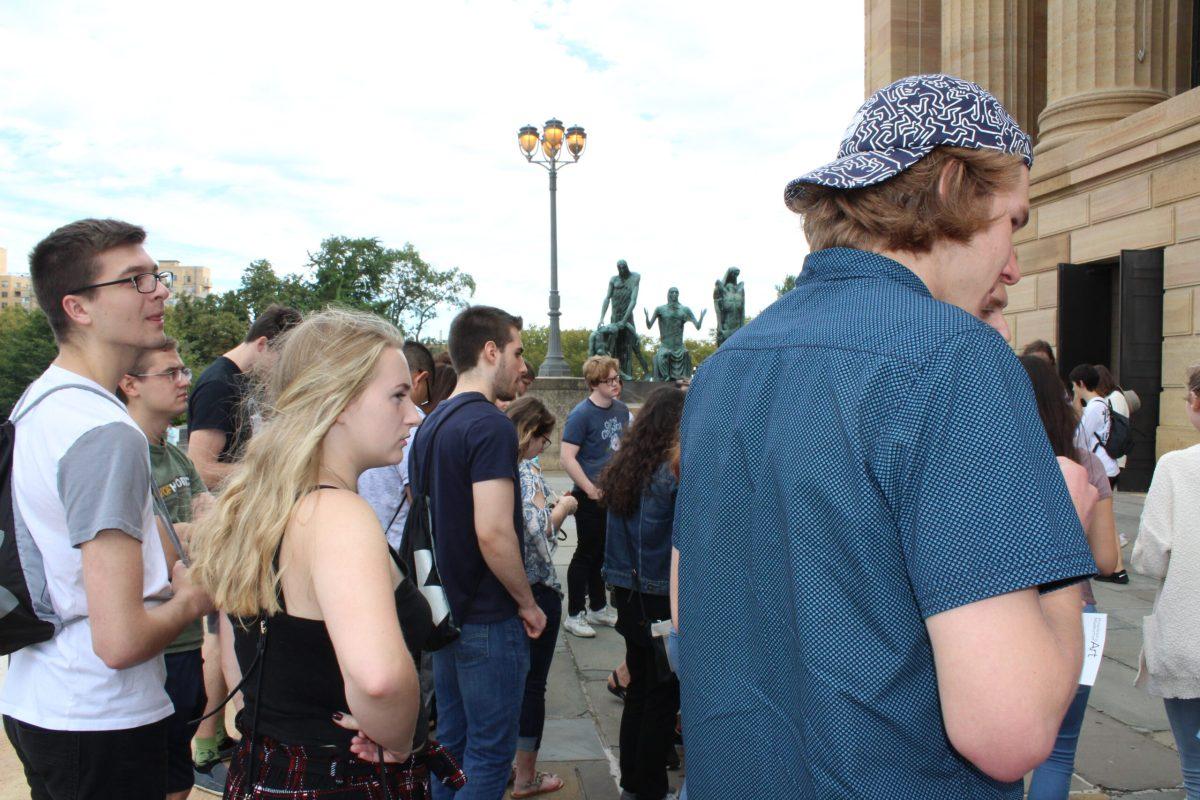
<point x="551" y="140"/>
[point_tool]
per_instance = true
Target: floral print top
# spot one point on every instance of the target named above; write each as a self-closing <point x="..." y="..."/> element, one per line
<point x="539" y="540"/>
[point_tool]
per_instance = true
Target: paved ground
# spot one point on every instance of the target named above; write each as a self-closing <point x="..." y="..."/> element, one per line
<point x="1125" y="750"/>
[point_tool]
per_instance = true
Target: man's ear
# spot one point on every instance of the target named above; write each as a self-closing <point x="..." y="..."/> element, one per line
<point x="261" y="344"/>
<point x="491" y="352"/>
<point x="75" y="309"/>
<point x="128" y="385"/>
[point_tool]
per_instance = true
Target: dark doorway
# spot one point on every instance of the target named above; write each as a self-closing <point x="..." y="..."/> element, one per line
<point x="1111" y="313"/>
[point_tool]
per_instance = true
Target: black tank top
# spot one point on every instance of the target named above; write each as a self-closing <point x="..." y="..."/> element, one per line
<point x="302" y="685"/>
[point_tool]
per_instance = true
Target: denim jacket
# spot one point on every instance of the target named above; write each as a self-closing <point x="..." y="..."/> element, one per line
<point x="639" y="546"/>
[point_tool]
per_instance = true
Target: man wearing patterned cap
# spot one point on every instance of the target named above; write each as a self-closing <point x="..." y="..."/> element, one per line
<point x="872" y="603"/>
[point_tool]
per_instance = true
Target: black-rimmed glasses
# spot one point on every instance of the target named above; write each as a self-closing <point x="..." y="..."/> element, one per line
<point x="145" y="282"/>
<point x="175" y="373"/>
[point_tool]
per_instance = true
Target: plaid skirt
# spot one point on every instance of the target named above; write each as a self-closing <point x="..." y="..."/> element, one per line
<point x="296" y="772"/>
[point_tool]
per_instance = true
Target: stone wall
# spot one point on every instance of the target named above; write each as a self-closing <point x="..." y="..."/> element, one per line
<point x="1134" y="184"/>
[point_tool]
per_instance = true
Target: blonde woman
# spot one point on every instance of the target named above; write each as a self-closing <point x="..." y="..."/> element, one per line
<point x="299" y="561"/>
<point x="1168" y="549"/>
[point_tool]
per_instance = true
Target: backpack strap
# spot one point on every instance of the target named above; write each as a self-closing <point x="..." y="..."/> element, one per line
<point x="17" y="417"/>
<point x="424" y="476"/>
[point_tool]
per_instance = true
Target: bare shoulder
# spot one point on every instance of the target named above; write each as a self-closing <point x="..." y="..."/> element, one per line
<point x="334" y="518"/>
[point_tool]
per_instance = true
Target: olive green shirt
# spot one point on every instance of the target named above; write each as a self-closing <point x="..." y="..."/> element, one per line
<point x="177" y="482"/>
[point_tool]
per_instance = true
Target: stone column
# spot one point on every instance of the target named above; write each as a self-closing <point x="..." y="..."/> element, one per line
<point x="1001" y="45"/>
<point x="1107" y="59"/>
<point x="902" y="39"/>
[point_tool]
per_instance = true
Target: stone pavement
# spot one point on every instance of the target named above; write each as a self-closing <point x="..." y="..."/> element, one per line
<point x="1126" y="748"/>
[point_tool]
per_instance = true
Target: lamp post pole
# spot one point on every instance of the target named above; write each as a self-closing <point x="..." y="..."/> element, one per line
<point x="551" y="139"/>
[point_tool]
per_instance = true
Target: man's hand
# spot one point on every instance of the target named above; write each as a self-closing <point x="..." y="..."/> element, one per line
<point x="592" y="491"/>
<point x="568" y="504"/>
<point x="195" y="597"/>
<point x="534" y="620"/>
<point x="202" y="504"/>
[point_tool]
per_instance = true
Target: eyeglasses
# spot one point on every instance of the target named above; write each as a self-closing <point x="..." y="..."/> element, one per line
<point x="145" y="282"/>
<point x="613" y="381"/>
<point x="175" y="374"/>
<point x="546" y="441"/>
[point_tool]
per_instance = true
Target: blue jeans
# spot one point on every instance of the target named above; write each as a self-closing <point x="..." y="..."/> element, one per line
<point x="480" y="680"/>
<point x="1052" y="779"/>
<point x="1185" y="724"/>
<point x="541" y="654"/>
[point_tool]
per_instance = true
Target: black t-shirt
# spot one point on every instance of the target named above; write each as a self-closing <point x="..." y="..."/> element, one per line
<point x="217" y="404"/>
<point x="478" y="443"/>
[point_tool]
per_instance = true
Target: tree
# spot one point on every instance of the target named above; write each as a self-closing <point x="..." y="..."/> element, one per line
<point x="207" y="327"/>
<point x="261" y="287"/>
<point x="700" y="349"/>
<point x="414" y="290"/>
<point x="789" y="283"/>
<point x="26" y="348"/>
<point x="350" y="272"/>
<point x="536" y="339"/>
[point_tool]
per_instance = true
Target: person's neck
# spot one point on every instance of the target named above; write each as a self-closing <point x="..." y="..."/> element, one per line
<point x="474" y="380"/>
<point x="242" y="356"/>
<point x="152" y="424"/>
<point x="102" y="363"/>
<point x="339" y="469"/>
<point x="1088" y="395"/>
<point x="599" y="399"/>
<point x="925" y="266"/>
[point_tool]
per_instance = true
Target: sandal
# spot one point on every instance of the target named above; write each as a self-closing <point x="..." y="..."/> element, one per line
<point x="615" y="687"/>
<point x="542" y="783"/>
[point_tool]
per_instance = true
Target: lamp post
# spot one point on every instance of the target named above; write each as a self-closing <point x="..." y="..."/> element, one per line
<point x="551" y="139"/>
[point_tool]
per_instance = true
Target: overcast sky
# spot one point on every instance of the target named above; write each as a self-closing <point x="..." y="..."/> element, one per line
<point x="236" y="131"/>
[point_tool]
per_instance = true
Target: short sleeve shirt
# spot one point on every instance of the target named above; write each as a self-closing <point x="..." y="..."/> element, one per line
<point x="835" y="493"/>
<point x="81" y="466"/>
<point x="177" y="482"/>
<point x="218" y="403"/>
<point x="476" y="443"/>
<point x="597" y="431"/>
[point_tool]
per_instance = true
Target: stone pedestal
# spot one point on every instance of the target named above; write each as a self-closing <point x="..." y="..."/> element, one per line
<point x="1106" y="59"/>
<point x="562" y="394"/>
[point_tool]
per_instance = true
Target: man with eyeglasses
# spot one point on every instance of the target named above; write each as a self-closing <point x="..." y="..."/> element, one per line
<point x="156" y="391"/>
<point x="86" y="711"/>
<point x="590" y="436"/>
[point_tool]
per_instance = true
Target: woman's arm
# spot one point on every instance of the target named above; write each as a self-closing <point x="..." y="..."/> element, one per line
<point x="1102" y="536"/>
<point x="1152" y="551"/>
<point x="354" y="587"/>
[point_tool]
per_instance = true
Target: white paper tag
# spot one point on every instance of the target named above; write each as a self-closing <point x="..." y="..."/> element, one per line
<point x="1094" y="628"/>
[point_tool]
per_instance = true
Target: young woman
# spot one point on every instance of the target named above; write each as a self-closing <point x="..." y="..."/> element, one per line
<point x="534" y="425"/>
<point x="299" y="561"/>
<point x="1052" y="780"/>
<point x="639" y="488"/>
<point x="1168" y="549"/>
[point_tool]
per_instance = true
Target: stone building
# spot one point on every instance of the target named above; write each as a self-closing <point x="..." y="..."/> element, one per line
<point x="1111" y="256"/>
<point x="193" y="281"/>
<point x="15" y="290"/>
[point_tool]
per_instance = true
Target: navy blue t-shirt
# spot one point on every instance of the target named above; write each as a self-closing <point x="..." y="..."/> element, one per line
<point x="598" y="433"/>
<point x="478" y="443"/>
<point x="859" y="458"/>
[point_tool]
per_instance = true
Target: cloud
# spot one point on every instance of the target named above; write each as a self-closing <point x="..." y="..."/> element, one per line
<point x="243" y="131"/>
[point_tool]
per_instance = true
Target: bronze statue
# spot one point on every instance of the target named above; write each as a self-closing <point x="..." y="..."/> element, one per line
<point x="620" y="338"/>
<point x="729" y="297"/>
<point x="672" y="362"/>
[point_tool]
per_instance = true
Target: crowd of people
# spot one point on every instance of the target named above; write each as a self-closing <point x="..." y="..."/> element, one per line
<point x="357" y="547"/>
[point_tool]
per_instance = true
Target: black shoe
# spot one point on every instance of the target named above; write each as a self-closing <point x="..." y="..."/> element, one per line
<point x="228" y="747"/>
<point x="210" y="776"/>
<point x="673" y="759"/>
<point x="1120" y="576"/>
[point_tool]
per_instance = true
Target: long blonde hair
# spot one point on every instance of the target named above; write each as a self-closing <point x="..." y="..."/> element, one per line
<point x="324" y="364"/>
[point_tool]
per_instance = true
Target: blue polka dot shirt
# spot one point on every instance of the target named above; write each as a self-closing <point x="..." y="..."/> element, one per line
<point x="858" y="458"/>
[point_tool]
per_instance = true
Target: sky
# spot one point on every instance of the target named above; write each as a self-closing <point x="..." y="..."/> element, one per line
<point x="239" y="131"/>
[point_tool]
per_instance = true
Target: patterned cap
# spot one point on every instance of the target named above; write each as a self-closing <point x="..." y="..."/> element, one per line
<point x="902" y="123"/>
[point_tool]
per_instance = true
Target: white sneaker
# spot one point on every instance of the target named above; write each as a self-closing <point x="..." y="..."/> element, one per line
<point x="578" y="626"/>
<point x="605" y="616"/>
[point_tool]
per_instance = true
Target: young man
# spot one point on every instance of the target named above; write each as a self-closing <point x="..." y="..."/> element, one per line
<point x="837" y="609"/>
<point x="1096" y="420"/>
<point x="469" y="449"/>
<point x="219" y="423"/>
<point x="87" y="710"/>
<point x="386" y="488"/>
<point x="589" y="438"/>
<point x="156" y="391"/>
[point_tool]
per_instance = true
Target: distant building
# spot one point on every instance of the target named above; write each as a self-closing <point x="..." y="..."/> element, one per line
<point x="193" y="281"/>
<point x="15" y="290"/>
<point x="1111" y="255"/>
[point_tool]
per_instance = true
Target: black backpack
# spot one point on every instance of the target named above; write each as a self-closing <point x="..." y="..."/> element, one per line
<point x="20" y="623"/>
<point x="1120" y="434"/>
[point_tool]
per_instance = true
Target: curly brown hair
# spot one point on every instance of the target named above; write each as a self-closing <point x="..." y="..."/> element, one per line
<point x="649" y="442"/>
